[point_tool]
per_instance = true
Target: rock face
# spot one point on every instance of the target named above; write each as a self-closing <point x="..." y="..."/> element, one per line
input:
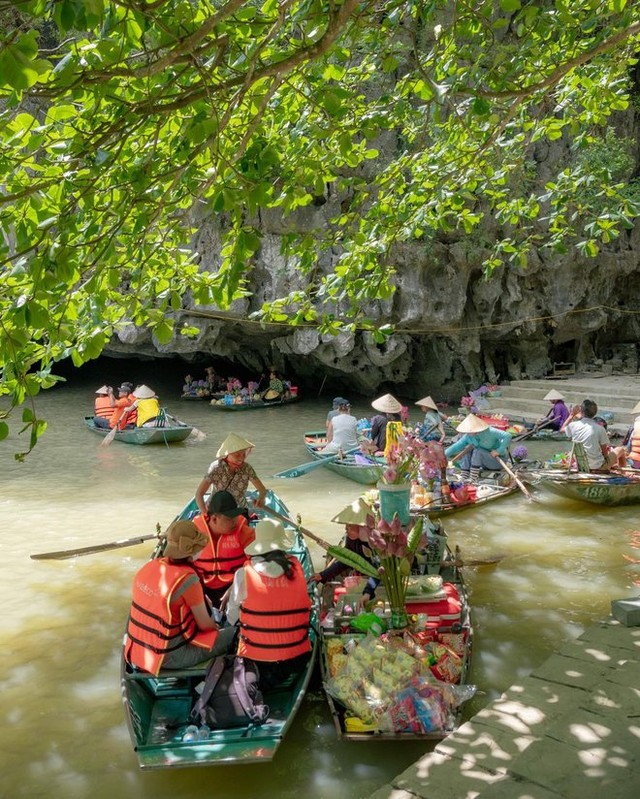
<point x="457" y="329"/>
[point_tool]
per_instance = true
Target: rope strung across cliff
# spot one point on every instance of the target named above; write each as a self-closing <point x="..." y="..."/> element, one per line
<point x="416" y="331"/>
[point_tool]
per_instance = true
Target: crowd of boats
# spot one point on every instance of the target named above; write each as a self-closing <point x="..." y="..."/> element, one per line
<point x="382" y="679"/>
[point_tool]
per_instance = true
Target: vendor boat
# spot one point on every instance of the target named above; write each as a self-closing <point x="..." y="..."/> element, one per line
<point x="247" y="404"/>
<point x="170" y="432"/>
<point x="394" y="686"/>
<point x="355" y="466"/>
<point x="157" y="708"/>
<point x="464" y="498"/>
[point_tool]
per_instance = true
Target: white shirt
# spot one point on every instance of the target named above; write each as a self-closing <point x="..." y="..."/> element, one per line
<point x="344" y="433"/>
<point x="592" y="436"/>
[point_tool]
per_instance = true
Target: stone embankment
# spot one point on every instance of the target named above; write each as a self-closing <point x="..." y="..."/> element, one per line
<point x="617" y="394"/>
<point x="570" y="730"/>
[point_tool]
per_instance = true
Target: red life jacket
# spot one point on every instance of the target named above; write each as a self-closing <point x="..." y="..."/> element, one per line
<point x="274" y="617"/>
<point x="153" y="621"/>
<point x="103" y="407"/>
<point x="222" y="556"/>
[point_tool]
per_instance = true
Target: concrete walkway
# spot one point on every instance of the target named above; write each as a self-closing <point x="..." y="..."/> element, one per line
<point x="571" y="730"/>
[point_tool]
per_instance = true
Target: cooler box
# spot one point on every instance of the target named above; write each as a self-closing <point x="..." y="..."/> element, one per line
<point x="440" y="612"/>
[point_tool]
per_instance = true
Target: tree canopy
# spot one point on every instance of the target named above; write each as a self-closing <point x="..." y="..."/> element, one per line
<point x="123" y="123"/>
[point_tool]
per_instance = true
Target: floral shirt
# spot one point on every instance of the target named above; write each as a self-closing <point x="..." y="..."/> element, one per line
<point x="222" y="478"/>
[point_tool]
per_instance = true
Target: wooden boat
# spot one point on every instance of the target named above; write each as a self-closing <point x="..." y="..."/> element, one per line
<point x="145" y="435"/>
<point x="348" y="466"/>
<point x="440" y="616"/>
<point x="478" y="496"/>
<point x="598" y="489"/>
<point x="157" y="708"/>
<point x="253" y="406"/>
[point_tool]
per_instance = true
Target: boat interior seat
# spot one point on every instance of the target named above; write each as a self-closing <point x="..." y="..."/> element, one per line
<point x="166" y="675"/>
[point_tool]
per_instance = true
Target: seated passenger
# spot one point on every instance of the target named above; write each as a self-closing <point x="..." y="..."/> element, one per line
<point x="104" y="405"/>
<point x="270" y="599"/>
<point x="483" y="445"/>
<point x="146" y="405"/>
<point x="170" y="625"/>
<point x="342" y="433"/>
<point x="275" y="389"/>
<point x="228" y="533"/>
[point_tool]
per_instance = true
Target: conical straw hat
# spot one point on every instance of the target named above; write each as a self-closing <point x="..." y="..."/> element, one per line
<point x="636" y="408"/>
<point x="356" y="513"/>
<point x="427" y="402"/>
<point x="553" y="395"/>
<point x="102" y="390"/>
<point x="233" y="443"/>
<point x="387" y="404"/>
<point x="144" y="392"/>
<point x="471" y="424"/>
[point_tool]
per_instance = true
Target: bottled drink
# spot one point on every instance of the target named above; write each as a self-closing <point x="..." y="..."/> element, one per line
<point x="191" y="733"/>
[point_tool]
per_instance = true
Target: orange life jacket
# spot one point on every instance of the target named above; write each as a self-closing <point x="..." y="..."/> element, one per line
<point x="634" y="444"/>
<point x="222" y="555"/>
<point x="274" y="618"/>
<point x="103" y="407"/>
<point x="153" y="622"/>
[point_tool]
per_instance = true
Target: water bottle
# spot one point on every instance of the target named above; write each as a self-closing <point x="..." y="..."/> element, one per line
<point x="190" y="734"/>
<point x="203" y="732"/>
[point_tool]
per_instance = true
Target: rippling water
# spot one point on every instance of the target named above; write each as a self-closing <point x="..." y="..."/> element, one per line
<point x="63" y="730"/>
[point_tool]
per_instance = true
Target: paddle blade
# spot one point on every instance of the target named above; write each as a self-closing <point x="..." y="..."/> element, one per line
<point x="109" y="437"/>
<point x="303" y="468"/>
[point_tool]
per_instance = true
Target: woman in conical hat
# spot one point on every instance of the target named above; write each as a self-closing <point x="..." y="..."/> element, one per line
<point x="557" y="414"/>
<point x="389" y="410"/>
<point x="479" y="447"/>
<point x="230" y="472"/>
<point x="431" y="428"/>
<point x="359" y="514"/>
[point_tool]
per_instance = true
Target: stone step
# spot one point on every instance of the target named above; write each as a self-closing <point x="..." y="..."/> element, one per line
<point x="612" y="393"/>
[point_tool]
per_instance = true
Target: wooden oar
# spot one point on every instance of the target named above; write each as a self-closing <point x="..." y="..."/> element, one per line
<point x="515" y="477"/>
<point x="531" y="432"/>
<point x="457" y="561"/>
<point x="195" y="431"/>
<point x="324" y="544"/>
<point x="109" y="437"/>
<point x="63" y="554"/>
<point x="305" y="468"/>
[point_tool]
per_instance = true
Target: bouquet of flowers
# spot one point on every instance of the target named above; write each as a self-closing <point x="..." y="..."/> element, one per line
<point x="392" y="547"/>
<point x="410" y="458"/>
<point x="233" y="385"/>
<point x="520" y="453"/>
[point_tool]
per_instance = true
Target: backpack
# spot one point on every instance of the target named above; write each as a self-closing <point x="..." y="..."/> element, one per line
<point x="230" y="696"/>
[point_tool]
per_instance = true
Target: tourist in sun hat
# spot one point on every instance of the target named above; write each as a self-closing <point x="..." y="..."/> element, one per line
<point x="335" y="404"/>
<point x="270" y="600"/>
<point x="342" y="431"/>
<point x="230" y="472"/>
<point x="557" y="414"/>
<point x="227" y="534"/>
<point x="103" y="406"/>
<point x="483" y="445"/>
<point x="167" y="595"/>
<point x="431" y="428"/>
<point x="389" y="410"/>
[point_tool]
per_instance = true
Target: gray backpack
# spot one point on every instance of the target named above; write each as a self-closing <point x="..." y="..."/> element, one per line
<point x="231" y="696"/>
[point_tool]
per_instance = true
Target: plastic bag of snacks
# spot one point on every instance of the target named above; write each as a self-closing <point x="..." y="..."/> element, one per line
<point x="424" y="707"/>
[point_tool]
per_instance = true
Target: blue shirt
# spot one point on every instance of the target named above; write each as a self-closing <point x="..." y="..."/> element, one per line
<point x="489" y="439"/>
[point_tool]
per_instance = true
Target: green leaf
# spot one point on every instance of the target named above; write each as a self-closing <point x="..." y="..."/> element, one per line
<point x="510" y="6"/>
<point x="4" y="430"/>
<point x="353" y="560"/>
